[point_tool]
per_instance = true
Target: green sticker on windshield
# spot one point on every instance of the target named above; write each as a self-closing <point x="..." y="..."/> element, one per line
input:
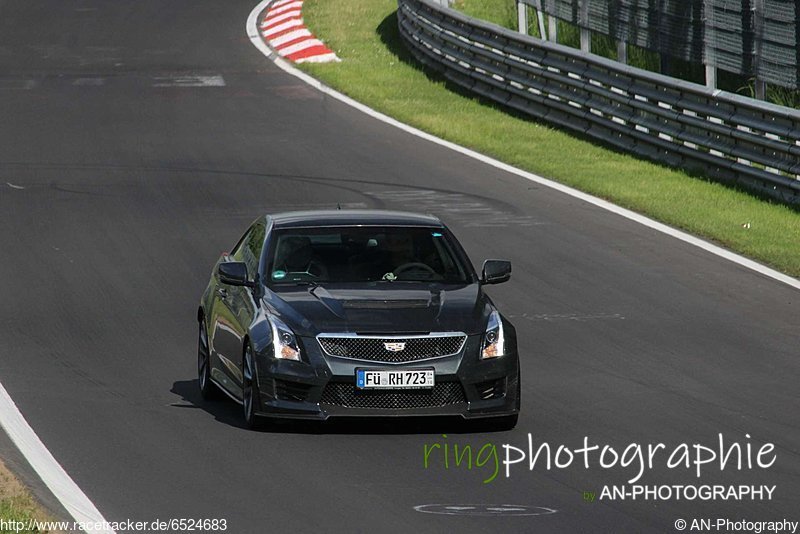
<point x="277" y="275"/>
<point x="436" y="234"/>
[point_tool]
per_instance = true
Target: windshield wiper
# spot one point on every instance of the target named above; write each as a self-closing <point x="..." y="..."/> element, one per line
<point x="312" y="285"/>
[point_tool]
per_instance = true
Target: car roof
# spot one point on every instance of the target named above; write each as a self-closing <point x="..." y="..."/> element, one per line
<point x="297" y="219"/>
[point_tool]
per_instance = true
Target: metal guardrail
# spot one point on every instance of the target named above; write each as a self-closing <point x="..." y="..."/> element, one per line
<point x="753" y="38"/>
<point x="725" y="136"/>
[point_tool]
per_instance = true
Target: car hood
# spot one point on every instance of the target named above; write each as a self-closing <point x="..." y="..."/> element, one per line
<point x="402" y="308"/>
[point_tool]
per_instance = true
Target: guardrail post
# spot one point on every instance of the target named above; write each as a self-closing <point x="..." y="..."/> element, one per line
<point x="758" y="39"/>
<point x="540" y="18"/>
<point x="760" y="89"/>
<point x="583" y="22"/>
<point x="586" y="40"/>
<point x="552" y="29"/>
<point x="522" y="17"/>
<point x="622" y="52"/>
<point x="711" y="76"/>
<point x="708" y="46"/>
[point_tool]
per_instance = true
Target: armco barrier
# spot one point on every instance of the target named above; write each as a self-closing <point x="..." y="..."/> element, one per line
<point x="752" y="38"/>
<point x="678" y="123"/>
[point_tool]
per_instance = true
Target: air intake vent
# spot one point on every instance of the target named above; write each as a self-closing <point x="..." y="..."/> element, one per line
<point x="291" y="391"/>
<point x="345" y="394"/>
<point x="492" y="389"/>
<point x="385" y="304"/>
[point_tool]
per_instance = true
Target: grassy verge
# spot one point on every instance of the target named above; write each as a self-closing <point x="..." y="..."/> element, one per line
<point x="500" y="12"/>
<point x="16" y="504"/>
<point x="377" y="70"/>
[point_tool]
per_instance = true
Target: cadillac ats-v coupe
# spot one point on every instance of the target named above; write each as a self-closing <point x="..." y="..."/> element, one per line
<point x="321" y="314"/>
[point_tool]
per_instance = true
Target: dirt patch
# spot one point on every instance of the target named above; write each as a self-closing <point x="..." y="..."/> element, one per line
<point x="17" y="503"/>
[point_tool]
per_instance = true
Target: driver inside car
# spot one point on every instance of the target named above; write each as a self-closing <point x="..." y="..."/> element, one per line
<point x="296" y="257"/>
<point x="393" y="256"/>
<point x="398" y="250"/>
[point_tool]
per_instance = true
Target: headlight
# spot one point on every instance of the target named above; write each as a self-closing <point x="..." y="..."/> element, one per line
<point x="284" y="342"/>
<point x="494" y="343"/>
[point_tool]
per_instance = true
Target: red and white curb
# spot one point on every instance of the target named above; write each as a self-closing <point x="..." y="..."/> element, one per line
<point x="282" y="27"/>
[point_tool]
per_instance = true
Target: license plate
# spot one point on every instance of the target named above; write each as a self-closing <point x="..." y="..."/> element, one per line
<point x="394" y="379"/>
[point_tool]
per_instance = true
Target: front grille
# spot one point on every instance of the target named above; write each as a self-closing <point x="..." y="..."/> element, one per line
<point x="346" y="394"/>
<point x="291" y="391"/>
<point x="374" y="349"/>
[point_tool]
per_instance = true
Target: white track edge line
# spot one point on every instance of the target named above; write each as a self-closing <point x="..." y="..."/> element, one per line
<point x="46" y="466"/>
<point x="255" y="38"/>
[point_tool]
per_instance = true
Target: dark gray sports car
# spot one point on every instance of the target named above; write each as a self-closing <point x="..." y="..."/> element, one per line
<point x="356" y="313"/>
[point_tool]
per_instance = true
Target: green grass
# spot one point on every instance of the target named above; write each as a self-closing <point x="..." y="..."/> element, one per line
<point x="501" y="13"/>
<point x="378" y="70"/>
<point x="16" y="510"/>
<point x="16" y="504"/>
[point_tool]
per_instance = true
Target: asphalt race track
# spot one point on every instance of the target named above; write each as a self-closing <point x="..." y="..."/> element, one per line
<point x="137" y="142"/>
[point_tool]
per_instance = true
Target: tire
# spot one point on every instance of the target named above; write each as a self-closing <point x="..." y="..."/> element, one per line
<point x="208" y="390"/>
<point x="250" y="394"/>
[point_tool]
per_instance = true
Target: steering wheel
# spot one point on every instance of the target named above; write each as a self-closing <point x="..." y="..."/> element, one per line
<point x="414" y="266"/>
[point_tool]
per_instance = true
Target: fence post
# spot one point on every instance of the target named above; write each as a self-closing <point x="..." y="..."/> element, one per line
<point x="758" y="39"/>
<point x="522" y="17"/>
<point x="583" y="23"/>
<point x="552" y="28"/>
<point x="708" y="46"/>
<point x="540" y="18"/>
<point x="760" y="89"/>
<point x="622" y="52"/>
<point x="586" y="40"/>
<point x="711" y="76"/>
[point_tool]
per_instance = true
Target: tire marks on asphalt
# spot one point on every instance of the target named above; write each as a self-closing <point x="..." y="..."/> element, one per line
<point x="468" y="210"/>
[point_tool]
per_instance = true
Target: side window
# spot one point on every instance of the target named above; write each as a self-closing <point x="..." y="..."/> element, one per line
<point x="237" y="254"/>
<point x="249" y="247"/>
<point x="252" y="252"/>
<point x="238" y="251"/>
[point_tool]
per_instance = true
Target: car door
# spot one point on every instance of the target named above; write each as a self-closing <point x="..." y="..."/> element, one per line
<point x="240" y="305"/>
<point x="218" y="324"/>
<point x="225" y="337"/>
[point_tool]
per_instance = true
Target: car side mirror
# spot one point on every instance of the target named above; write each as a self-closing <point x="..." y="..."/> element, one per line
<point x="496" y="271"/>
<point x="233" y="273"/>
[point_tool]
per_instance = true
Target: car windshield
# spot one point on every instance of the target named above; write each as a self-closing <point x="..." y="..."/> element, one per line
<point x="364" y="254"/>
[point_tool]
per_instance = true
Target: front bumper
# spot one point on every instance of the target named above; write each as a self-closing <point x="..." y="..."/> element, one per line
<point x="323" y="386"/>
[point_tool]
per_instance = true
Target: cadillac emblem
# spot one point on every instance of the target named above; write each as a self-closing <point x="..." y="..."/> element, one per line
<point x="394" y="346"/>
